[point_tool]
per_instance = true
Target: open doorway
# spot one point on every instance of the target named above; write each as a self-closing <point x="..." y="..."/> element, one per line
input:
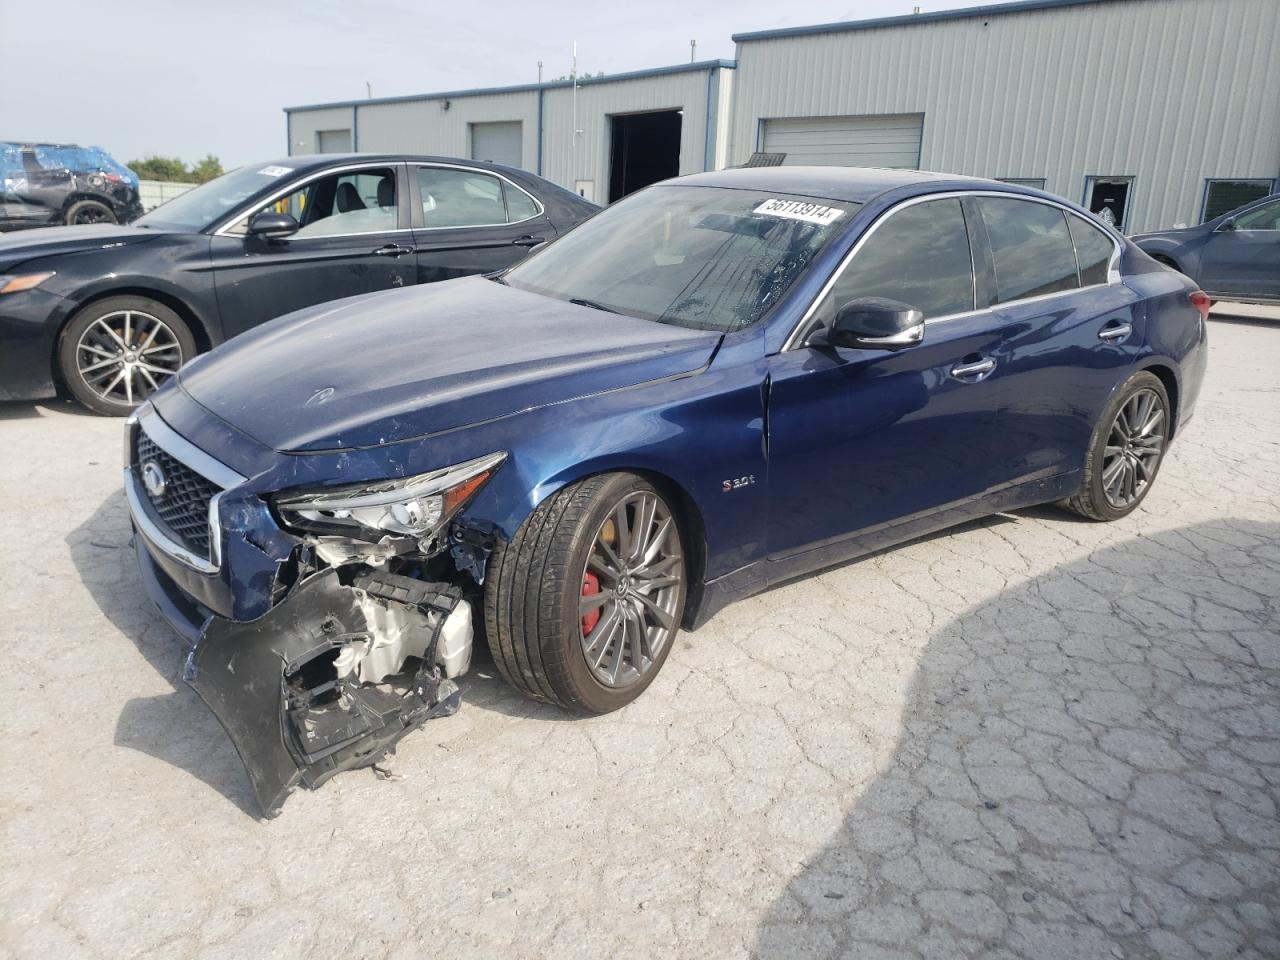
<point x="644" y="148"/>
<point x="1108" y="197"/>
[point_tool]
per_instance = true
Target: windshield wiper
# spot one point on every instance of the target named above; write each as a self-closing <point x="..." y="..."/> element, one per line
<point x="593" y="305"/>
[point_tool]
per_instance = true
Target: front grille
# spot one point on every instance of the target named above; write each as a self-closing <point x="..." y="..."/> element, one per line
<point x="183" y="507"/>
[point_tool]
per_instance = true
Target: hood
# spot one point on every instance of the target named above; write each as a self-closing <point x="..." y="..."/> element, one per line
<point x="408" y="363"/>
<point x="22" y="245"/>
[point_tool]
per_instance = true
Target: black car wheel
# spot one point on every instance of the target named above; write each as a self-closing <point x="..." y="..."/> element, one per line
<point x="1126" y="451"/>
<point x="116" y="352"/>
<point x="583" y="605"/>
<point x="89" y="211"/>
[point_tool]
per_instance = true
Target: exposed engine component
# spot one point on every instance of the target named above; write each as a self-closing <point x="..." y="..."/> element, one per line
<point x="332" y="677"/>
<point x="407" y="618"/>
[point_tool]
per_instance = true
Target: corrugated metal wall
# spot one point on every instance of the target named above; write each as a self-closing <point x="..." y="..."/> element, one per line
<point x="423" y="125"/>
<point x="567" y="162"/>
<point x="1170" y="92"/>
<point x="304" y="130"/>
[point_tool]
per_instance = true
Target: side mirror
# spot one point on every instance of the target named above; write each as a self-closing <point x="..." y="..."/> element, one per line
<point x="1227" y="225"/>
<point x="874" y="323"/>
<point x="273" y="226"/>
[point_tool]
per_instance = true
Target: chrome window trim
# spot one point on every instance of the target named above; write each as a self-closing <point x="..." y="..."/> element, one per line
<point x="294" y="185"/>
<point x="794" y="340"/>
<point x="188" y="454"/>
<point x="488" y="173"/>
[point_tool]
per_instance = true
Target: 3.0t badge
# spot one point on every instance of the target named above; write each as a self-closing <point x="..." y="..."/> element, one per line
<point x="737" y="483"/>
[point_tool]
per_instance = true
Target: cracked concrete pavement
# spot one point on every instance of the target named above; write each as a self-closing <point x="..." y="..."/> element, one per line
<point x="1030" y="737"/>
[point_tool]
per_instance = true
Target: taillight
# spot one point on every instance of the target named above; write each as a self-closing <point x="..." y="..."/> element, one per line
<point x="114" y="178"/>
<point x="1200" y="300"/>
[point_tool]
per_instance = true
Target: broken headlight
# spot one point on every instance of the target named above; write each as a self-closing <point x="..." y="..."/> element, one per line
<point x="417" y="506"/>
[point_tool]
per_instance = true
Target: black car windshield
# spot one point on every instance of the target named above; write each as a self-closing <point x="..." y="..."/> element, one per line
<point x="206" y="204"/>
<point x="712" y="258"/>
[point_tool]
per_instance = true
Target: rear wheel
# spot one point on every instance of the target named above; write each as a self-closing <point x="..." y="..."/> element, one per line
<point x="583" y="605"/>
<point x="1126" y="451"/>
<point x="89" y="211"/>
<point x="116" y="352"/>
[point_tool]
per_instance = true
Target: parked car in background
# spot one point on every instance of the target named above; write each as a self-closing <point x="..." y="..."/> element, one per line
<point x="111" y="312"/>
<point x="718" y="383"/>
<point x="49" y="184"/>
<point x="1233" y="257"/>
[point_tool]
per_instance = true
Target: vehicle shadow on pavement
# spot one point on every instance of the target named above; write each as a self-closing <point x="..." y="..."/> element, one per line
<point x="173" y="727"/>
<point x="1087" y="765"/>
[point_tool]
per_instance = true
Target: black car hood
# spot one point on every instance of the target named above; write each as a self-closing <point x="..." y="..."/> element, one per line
<point x="23" y="245"/>
<point x="408" y="363"/>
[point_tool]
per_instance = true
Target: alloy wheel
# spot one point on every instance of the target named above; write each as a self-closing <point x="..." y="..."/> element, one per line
<point x="125" y="355"/>
<point x="92" y="214"/>
<point x="631" y="586"/>
<point x="1134" y="447"/>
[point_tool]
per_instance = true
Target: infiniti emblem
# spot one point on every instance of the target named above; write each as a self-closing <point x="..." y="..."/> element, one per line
<point x="153" y="479"/>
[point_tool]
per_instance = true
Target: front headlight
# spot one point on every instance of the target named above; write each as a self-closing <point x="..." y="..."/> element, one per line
<point x="417" y="506"/>
<point x="17" y="282"/>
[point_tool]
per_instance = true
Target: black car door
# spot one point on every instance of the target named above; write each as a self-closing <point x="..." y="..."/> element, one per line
<point x="354" y="237"/>
<point x="467" y="220"/>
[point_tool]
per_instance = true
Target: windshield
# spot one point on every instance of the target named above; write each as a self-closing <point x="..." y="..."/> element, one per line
<point x="201" y="207"/>
<point x="705" y="257"/>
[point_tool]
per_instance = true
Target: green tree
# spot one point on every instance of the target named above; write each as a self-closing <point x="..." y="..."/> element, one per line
<point x="160" y="168"/>
<point x="207" y="169"/>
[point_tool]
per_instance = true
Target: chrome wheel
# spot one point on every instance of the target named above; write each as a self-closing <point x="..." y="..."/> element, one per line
<point x="125" y="355"/>
<point x="631" y="586"/>
<point x="1134" y="447"/>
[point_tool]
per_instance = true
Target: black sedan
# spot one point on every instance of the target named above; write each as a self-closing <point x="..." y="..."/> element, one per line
<point x="1233" y="257"/>
<point x="111" y="312"/>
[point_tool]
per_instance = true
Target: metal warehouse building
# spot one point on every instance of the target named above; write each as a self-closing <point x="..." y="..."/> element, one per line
<point x="1152" y="112"/>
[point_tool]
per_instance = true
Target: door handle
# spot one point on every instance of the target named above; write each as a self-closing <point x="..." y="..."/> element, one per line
<point x="528" y="241"/>
<point x="392" y="250"/>
<point x="1115" y="333"/>
<point x="973" y="372"/>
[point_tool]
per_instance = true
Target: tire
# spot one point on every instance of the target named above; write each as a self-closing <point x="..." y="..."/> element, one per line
<point x="89" y="211"/>
<point x="1097" y="497"/>
<point x="91" y="338"/>
<point x="539" y="582"/>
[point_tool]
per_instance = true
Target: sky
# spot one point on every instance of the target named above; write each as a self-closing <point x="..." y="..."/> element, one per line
<point x="185" y="78"/>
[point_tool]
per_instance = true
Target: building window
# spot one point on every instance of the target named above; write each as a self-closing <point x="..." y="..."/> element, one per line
<point x="1107" y="198"/>
<point x="1035" y="183"/>
<point x="1223" y="196"/>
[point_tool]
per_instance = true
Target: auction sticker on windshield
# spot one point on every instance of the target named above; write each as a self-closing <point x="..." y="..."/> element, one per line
<point x="800" y="210"/>
<point x="274" y="171"/>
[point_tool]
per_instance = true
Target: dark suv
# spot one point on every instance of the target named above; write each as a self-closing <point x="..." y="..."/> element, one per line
<point x="47" y="184"/>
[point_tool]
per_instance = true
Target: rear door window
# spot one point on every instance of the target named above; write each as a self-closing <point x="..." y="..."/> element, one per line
<point x="1030" y="246"/>
<point x="1094" y="250"/>
<point x="919" y="255"/>
<point x="460" y="198"/>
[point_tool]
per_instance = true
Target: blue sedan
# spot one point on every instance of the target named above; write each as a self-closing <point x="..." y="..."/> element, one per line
<point x="720" y="383"/>
<point x="1233" y="257"/>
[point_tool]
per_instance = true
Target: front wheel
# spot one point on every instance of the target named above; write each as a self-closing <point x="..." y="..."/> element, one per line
<point x="1126" y="451"/>
<point x="89" y="211"/>
<point x="583" y="605"/>
<point x="116" y="352"/>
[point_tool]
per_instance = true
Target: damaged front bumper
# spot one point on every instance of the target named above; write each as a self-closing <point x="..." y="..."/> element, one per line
<point x="333" y="677"/>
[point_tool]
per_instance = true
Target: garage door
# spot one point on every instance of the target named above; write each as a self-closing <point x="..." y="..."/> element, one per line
<point x="847" y="141"/>
<point x="497" y="142"/>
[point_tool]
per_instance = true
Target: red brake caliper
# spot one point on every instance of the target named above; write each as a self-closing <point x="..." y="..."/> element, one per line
<point x="590" y="587"/>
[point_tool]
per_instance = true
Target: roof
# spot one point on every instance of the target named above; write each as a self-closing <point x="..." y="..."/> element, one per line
<point x="701" y="65"/>
<point x="303" y="162"/>
<point x="988" y="10"/>
<point x="847" y="184"/>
